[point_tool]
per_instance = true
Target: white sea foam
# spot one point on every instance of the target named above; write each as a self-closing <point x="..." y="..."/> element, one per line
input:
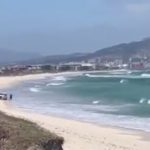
<point x="129" y="72"/>
<point x="142" y="100"/>
<point x="123" y="81"/>
<point x="145" y="75"/>
<point x="54" y="84"/>
<point x="92" y="76"/>
<point x="121" y="72"/>
<point x="142" y="76"/>
<point x="80" y="112"/>
<point x="96" y="102"/>
<point x="34" y="90"/>
<point x="92" y="112"/>
<point x="97" y="108"/>
<point x="59" y="78"/>
<point x="77" y="112"/>
<point x="148" y="102"/>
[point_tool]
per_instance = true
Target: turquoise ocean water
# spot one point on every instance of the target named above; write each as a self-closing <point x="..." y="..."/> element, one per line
<point x="117" y="98"/>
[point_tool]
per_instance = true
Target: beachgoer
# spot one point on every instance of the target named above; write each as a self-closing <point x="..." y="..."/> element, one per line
<point x="11" y="96"/>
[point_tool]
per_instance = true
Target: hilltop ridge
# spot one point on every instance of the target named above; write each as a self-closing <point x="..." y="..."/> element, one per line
<point x="123" y="51"/>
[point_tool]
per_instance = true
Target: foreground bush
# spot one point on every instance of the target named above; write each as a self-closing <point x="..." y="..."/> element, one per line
<point x="18" y="134"/>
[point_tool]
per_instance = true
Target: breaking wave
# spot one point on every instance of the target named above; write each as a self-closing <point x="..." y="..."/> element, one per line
<point x="36" y="90"/>
<point x="54" y="84"/>
<point x="56" y="81"/>
<point x="123" y="81"/>
<point x="144" y="101"/>
<point x="59" y="78"/>
<point x="142" y="76"/>
<point x="145" y="75"/>
<point x="101" y="101"/>
<point x="148" y="102"/>
<point x="96" y="102"/>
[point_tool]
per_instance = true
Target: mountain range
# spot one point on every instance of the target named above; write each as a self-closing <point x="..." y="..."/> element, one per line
<point x="123" y="51"/>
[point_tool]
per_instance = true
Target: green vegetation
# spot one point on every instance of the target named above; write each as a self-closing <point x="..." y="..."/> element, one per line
<point x="18" y="134"/>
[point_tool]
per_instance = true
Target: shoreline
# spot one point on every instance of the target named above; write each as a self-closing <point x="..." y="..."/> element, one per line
<point x="99" y="137"/>
<point x="91" y="137"/>
<point x="16" y="79"/>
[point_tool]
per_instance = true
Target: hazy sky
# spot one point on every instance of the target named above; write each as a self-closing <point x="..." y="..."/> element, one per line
<point x="66" y="26"/>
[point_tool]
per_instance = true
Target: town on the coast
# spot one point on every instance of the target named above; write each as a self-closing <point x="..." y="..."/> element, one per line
<point x="98" y="63"/>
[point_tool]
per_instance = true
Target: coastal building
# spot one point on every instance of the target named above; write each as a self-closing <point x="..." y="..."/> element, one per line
<point x="76" y="66"/>
<point x="136" y="63"/>
<point x="71" y="66"/>
<point x="87" y="67"/>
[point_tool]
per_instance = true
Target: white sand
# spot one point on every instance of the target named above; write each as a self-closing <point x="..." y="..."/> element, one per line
<point x="78" y="135"/>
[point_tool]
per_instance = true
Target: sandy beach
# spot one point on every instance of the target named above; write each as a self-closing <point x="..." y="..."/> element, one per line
<point x="77" y="135"/>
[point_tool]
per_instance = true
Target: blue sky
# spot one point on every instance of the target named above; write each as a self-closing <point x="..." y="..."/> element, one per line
<point x="66" y="26"/>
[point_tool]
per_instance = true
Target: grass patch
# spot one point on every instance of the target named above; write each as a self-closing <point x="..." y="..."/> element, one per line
<point x="19" y="134"/>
